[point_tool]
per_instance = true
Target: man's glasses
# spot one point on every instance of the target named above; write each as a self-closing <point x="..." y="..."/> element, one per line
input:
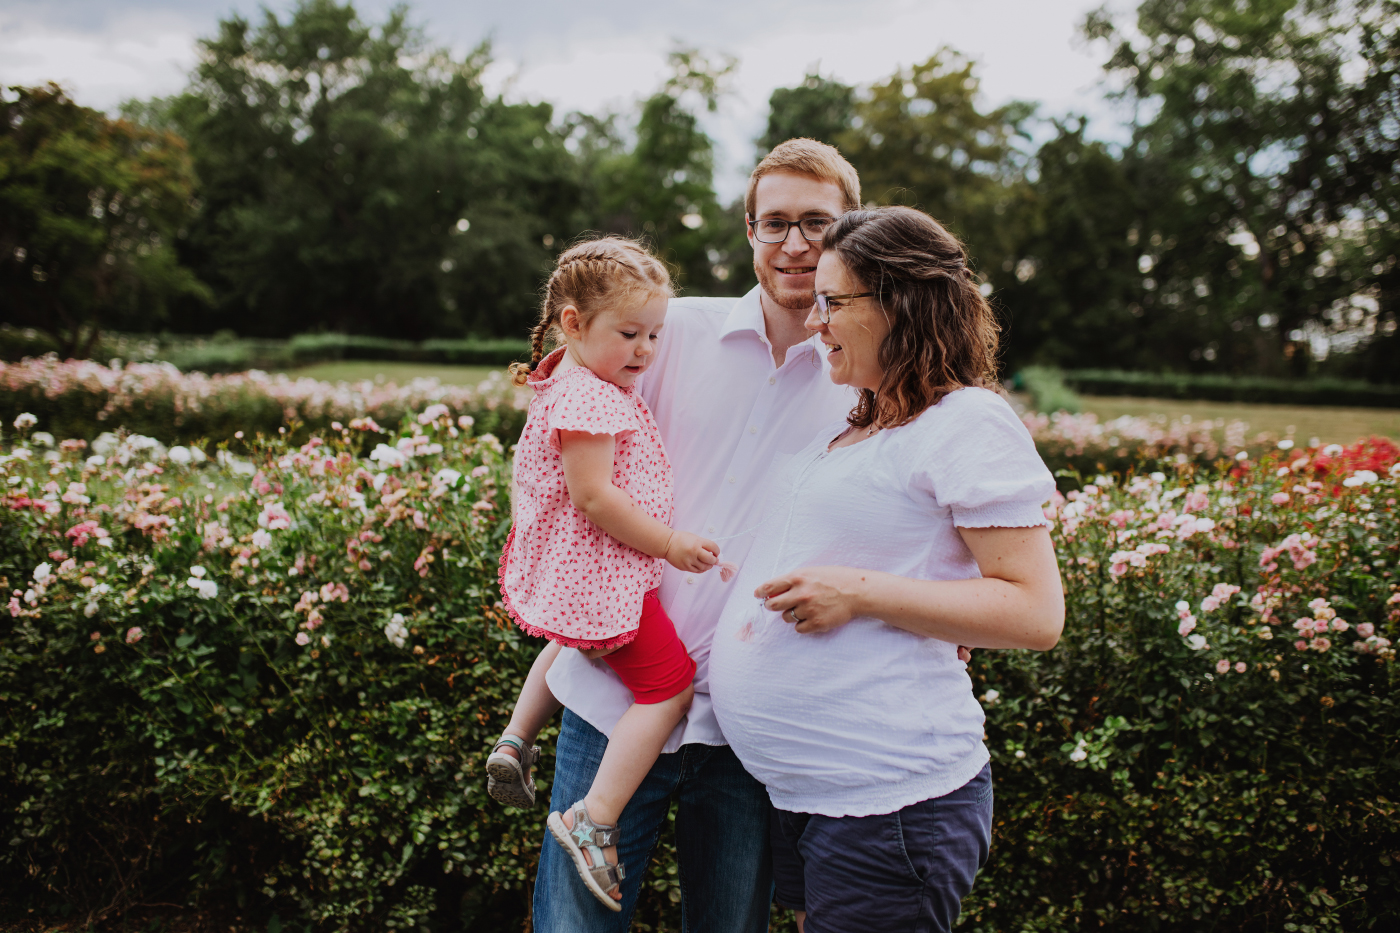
<point x="774" y="230"/>
<point x="829" y="303"/>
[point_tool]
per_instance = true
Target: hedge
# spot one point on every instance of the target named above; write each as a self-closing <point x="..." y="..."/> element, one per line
<point x="263" y="683"/>
<point x="230" y="354"/>
<point x="1339" y="392"/>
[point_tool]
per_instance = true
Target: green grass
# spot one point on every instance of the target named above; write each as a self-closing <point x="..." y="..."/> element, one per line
<point x="1301" y="422"/>
<point x="400" y="373"/>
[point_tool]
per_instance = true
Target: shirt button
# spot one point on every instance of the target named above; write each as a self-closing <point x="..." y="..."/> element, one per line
<point x="712" y="529"/>
<point x="753" y="429"/>
<point x="689" y="579"/>
<point x="731" y="480"/>
<point x="772" y="380"/>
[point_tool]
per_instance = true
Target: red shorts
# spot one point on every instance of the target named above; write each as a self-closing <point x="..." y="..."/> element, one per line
<point x="655" y="665"/>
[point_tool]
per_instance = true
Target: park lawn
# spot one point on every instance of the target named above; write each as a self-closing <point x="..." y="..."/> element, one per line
<point x="1300" y="422"/>
<point x="388" y="371"/>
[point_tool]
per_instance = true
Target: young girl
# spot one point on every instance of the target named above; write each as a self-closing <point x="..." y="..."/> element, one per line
<point x="591" y="526"/>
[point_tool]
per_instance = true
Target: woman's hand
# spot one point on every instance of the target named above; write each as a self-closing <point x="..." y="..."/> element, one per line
<point x="819" y="599"/>
<point x="816" y="599"/>
<point x="691" y="553"/>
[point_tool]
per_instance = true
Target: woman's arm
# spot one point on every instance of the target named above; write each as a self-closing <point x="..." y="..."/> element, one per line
<point x="1018" y="603"/>
<point x="588" y="471"/>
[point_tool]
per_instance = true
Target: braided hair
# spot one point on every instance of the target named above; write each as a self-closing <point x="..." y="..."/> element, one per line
<point x="593" y="276"/>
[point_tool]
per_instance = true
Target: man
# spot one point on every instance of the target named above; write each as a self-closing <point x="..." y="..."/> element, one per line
<point x="738" y="386"/>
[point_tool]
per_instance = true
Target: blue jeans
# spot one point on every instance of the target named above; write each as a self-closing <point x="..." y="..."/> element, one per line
<point x="721" y="839"/>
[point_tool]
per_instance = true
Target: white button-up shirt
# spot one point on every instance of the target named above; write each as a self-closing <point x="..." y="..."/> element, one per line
<point x="730" y="421"/>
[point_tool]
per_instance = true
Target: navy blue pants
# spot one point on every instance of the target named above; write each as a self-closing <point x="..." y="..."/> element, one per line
<point x="902" y="871"/>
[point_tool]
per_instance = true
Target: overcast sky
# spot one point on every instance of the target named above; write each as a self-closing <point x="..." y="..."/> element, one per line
<point x="592" y="55"/>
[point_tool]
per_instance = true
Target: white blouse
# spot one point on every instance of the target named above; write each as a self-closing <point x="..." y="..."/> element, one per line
<point x="869" y="718"/>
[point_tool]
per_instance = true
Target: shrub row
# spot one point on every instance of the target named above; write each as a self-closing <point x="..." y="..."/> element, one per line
<point x="265" y="683"/>
<point x="1340" y="392"/>
<point x="230" y="354"/>
<point x="83" y="399"/>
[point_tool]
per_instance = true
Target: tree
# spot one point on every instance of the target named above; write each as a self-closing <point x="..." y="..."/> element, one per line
<point x="1271" y="140"/>
<point x="355" y="178"/>
<point x="662" y="188"/>
<point x="919" y="139"/>
<point x="818" y="108"/>
<point x="90" y="209"/>
<point x="1072" y="290"/>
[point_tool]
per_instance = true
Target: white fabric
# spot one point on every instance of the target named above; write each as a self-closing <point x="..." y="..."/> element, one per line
<point x="730" y="419"/>
<point x="869" y="718"/>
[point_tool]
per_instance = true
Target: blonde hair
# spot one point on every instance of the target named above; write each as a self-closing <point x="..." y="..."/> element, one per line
<point x="811" y="158"/>
<point x="593" y="276"/>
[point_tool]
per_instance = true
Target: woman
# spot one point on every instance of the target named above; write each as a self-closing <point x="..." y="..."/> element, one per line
<point x="912" y="528"/>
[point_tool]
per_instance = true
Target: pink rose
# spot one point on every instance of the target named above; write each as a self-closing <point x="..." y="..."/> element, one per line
<point x="1365" y="629"/>
<point x="1241" y="667"/>
<point x="1280" y="498"/>
<point x="1222" y="666"/>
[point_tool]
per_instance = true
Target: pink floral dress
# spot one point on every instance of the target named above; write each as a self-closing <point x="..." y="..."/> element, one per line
<point x="563" y="577"/>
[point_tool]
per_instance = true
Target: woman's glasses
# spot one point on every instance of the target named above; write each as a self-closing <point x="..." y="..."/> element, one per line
<point x="829" y="303"/>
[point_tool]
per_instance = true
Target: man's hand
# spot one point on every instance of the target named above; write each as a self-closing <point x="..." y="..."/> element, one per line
<point x="691" y="553"/>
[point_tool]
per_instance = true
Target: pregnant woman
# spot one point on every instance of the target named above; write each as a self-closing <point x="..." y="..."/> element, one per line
<point x="911" y="528"/>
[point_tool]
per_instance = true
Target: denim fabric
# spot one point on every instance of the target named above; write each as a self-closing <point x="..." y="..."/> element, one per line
<point x="902" y="871"/>
<point x="721" y="837"/>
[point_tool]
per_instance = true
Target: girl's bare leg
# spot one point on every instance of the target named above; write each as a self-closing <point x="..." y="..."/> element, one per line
<point x="633" y="748"/>
<point x="536" y="705"/>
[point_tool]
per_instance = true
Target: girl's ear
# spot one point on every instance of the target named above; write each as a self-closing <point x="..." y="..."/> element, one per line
<point x="569" y="322"/>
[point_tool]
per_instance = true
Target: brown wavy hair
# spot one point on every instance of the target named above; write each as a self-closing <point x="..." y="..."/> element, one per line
<point x="943" y="334"/>
<point x="593" y="276"/>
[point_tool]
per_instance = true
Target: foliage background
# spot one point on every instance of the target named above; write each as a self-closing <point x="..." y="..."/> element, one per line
<point x="329" y="173"/>
<point x="263" y="685"/>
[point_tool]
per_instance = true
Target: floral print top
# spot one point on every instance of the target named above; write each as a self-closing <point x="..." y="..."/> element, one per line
<point x="563" y="577"/>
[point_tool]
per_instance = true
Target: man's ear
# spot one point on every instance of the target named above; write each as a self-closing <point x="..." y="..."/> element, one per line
<point x="748" y="228"/>
<point x="569" y="322"/>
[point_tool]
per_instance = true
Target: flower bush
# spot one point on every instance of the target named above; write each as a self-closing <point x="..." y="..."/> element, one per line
<point x="259" y="683"/>
<point x="263" y="679"/>
<point x="1082" y="443"/>
<point x="1213" y="743"/>
<point x="83" y="399"/>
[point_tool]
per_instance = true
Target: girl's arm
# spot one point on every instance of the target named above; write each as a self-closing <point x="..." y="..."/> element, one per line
<point x="1018" y="603"/>
<point x="588" y="471"/>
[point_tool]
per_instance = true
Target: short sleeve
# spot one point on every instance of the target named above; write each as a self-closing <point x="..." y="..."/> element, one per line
<point x="590" y="405"/>
<point x="978" y="460"/>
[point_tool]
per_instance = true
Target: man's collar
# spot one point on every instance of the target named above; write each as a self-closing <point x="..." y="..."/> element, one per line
<point x="747" y="314"/>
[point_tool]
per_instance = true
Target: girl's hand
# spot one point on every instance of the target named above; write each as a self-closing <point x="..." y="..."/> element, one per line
<point x="815" y="599"/>
<point x="595" y="653"/>
<point x="691" y="553"/>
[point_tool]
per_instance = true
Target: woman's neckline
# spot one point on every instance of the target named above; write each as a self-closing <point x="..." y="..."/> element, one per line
<point x="832" y="445"/>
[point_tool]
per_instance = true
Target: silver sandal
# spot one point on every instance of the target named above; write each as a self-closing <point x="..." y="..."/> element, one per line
<point x="508" y="779"/>
<point x="602" y="878"/>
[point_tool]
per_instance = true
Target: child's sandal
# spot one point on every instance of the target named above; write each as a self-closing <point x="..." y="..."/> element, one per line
<point x="601" y="877"/>
<point x="509" y="779"/>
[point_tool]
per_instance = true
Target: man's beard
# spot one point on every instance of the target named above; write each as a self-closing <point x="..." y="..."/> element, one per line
<point x="790" y="298"/>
